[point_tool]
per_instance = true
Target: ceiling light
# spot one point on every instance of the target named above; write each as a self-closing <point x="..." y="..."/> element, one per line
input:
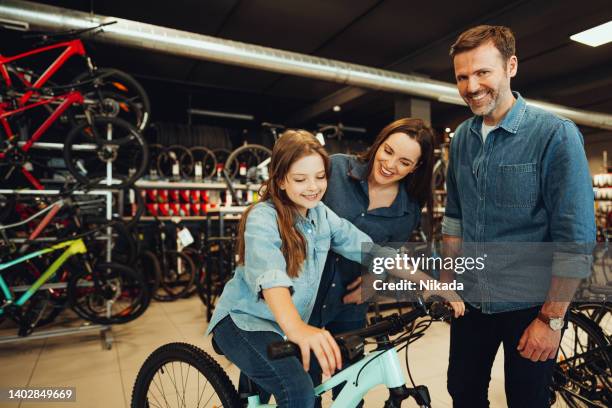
<point x="337" y="108"/>
<point x="447" y="130"/>
<point x="451" y="134"/>
<point x="595" y="36"/>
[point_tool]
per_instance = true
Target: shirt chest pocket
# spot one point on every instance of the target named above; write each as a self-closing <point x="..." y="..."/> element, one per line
<point x="516" y="185"/>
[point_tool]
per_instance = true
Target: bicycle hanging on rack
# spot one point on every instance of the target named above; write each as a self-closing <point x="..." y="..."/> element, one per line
<point x="102" y="140"/>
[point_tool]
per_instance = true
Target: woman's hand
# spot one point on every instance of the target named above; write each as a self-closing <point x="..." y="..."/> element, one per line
<point x="451" y="297"/>
<point x="322" y="344"/>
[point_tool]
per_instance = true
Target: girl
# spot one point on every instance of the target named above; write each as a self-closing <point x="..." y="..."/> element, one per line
<point x="282" y="244"/>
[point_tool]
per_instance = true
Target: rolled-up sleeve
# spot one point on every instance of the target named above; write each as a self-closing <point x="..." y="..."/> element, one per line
<point x="568" y="196"/>
<point x="264" y="265"/>
<point x="451" y="224"/>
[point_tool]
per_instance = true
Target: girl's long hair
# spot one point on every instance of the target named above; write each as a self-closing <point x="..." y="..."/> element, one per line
<point x="290" y="147"/>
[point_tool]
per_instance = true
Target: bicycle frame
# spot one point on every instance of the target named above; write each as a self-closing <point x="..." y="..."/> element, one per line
<point x="72" y="247"/>
<point x="74" y="47"/>
<point x="380" y="367"/>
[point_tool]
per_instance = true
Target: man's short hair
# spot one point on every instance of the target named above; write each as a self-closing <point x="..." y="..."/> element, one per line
<point x="502" y="37"/>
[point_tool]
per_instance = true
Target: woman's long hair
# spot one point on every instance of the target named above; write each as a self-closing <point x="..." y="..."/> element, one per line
<point x="418" y="183"/>
<point x="290" y="147"/>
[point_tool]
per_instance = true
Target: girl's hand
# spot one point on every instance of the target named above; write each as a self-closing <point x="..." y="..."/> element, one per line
<point x="451" y="297"/>
<point x="322" y="344"/>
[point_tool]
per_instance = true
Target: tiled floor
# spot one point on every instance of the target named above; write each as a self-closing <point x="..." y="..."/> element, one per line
<point x="104" y="378"/>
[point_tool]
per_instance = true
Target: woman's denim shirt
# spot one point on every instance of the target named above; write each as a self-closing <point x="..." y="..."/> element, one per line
<point x="265" y="266"/>
<point x="347" y="195"/>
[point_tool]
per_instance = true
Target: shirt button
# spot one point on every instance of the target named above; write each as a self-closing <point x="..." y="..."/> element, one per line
<point x="337" y="258"/>
<point x="333" y="285"/>
<point x="362" y="214"/>
<point x="324" y="306"/>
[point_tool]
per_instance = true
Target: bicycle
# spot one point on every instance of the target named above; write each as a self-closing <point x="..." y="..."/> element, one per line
<point x="582" y="375"/>
<point x="92" y="146"/>
<point x="93" y="289"/>
<point x="180" y="366"/>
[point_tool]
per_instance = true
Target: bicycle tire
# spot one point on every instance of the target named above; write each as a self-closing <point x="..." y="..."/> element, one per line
<point x="578" y="381"/>
<point x="148" y="264"/>
<point x="99" y="151"/>
<point x="152" y="376"/>
<point x="116" y="282"/>
<point x="259" y="153"/>
<point x="598" y="312"/>
<point x="208" y="156"/>
<point x="174" y="283"/>
<point x="175" y="155"/>
<point x="117" y="84"/>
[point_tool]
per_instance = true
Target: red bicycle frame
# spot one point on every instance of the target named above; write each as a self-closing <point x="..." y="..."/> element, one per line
<point x="73" y="47"/>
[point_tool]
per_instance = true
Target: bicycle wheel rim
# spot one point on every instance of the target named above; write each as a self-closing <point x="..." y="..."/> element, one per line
<point x="89" y="150"/>
<point x="182" y="375"/>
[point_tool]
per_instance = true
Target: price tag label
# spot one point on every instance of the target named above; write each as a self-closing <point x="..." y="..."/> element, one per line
<point x="198" y="170"/>
<point x="185" y="237"/>
<point x="176" y="170"/>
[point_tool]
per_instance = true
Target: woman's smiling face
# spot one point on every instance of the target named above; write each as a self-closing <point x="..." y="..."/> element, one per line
<point x="396" y="157"/>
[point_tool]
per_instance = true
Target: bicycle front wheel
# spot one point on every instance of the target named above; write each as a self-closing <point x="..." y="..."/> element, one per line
<point x="182" y="375"/>
<point x="89" y="150"/>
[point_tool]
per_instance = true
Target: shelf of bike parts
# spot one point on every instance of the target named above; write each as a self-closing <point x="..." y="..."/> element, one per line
<point x="203" y="185"/>
<point x="223" y="213"/>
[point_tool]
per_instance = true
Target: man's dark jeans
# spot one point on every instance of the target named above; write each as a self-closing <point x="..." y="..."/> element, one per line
<point x="475" y="339"/>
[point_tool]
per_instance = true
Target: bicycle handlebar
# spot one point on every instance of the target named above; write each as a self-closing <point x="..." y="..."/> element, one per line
<point x="390" y="325"/>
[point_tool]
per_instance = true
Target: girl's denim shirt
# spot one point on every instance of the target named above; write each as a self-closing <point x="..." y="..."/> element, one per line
<point x="265" y="266"/>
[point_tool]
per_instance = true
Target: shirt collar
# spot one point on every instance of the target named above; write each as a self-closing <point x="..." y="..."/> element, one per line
<point x="511" y="122"/>
<point x="358" y="171"/>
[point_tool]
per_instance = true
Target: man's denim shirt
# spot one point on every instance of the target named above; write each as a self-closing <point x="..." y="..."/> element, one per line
<point x="265" y="265"/>
<point x="529" y="182"/>
<point x="347" y="195"/>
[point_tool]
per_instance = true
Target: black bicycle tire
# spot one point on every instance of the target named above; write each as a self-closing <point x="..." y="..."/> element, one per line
<point x="165" y="294"/>
<point x="196" y="358"/>
<point x="600" y="310"/>
<point x="241" y="149"/>
<point x="134" y="134"/>
<point x="598" y="339"/>
<point x="139" y="308"/>
<point x="185" y="155"/>
<point x="133" y="83"/>
<point x="208" y="152"/>
<point x="152" y="273"/>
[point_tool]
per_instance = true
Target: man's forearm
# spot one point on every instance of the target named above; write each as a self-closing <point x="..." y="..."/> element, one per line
<point x="559" y="297"/>
<point x="451" y="248"/>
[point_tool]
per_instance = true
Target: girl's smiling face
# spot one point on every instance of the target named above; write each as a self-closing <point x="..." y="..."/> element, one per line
<point x="306" y="182"/>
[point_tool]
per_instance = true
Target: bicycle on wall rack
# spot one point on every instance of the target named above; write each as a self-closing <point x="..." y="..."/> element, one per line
<point x="182" y="372"/>
<point x="101" y="292"/>
<point x="104" y="139"/>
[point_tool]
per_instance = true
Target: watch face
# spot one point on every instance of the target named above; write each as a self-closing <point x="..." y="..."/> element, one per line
<point x="556" y="324"/>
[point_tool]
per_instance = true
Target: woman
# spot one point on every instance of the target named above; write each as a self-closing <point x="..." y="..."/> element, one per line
<point x="382" y="192"/>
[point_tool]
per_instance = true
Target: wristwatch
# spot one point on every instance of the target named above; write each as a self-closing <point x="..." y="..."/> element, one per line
<point x="555" y="323"/>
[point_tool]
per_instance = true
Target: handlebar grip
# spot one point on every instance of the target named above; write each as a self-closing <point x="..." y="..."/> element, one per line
<point x="440" y="311"/>
<point x="283" y="349"/>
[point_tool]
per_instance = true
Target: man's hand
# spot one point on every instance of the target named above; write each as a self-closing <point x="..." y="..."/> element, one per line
<point x="354" y="295"/>
<point x="539" y="342"/>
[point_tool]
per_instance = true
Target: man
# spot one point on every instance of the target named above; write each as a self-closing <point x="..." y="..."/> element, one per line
<point x="516" y="174"/>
